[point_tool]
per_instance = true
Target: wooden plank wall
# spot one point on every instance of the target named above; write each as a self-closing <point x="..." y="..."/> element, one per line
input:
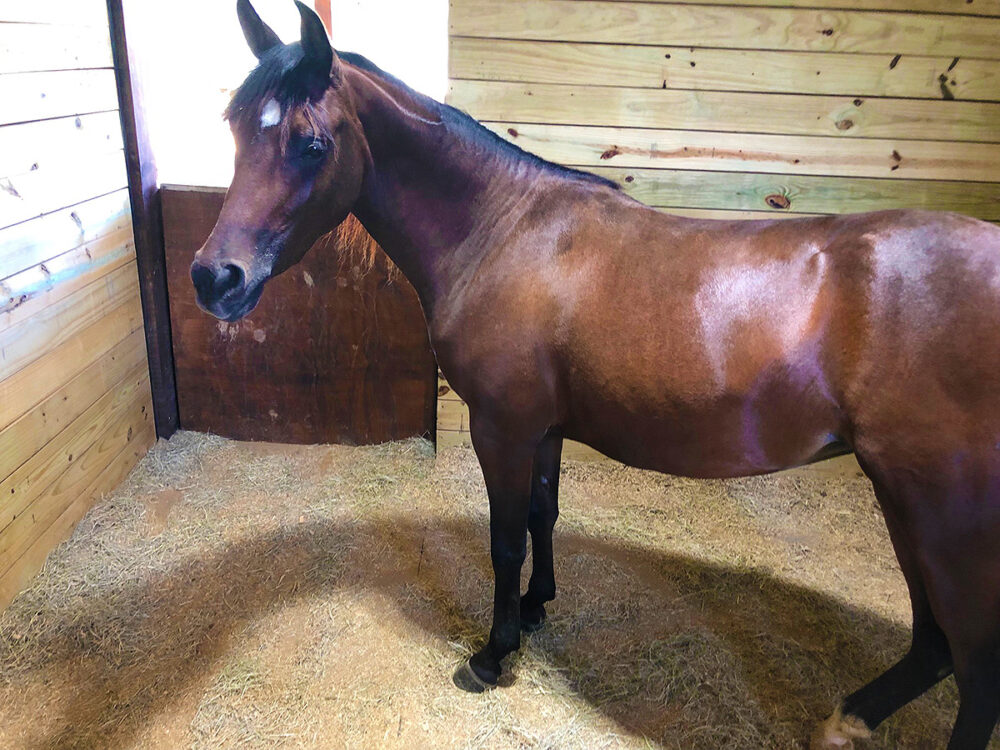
<point x="742" y="108"/>
<point x="75" y="409"/>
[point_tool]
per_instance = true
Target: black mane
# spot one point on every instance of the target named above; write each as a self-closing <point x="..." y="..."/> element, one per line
<point x="279" y="76"/>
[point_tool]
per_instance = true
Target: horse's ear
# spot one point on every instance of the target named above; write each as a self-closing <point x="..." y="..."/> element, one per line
<point x="318" y="54"/>
<point x="259" y="35"/>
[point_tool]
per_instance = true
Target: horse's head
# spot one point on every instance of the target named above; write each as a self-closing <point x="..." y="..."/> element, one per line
<point x="301" y="156"/>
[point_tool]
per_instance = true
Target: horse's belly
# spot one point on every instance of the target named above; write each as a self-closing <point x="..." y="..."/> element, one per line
<point x="732" y="436"/>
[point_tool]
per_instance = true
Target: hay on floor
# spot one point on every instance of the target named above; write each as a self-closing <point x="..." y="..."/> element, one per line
<point x="238" y="594"/>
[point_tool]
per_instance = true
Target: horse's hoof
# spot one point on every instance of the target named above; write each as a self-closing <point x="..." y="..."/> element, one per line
<point x="839" y="732"/>
<point x="533" y="620"/>
<point x="465" y="678"/>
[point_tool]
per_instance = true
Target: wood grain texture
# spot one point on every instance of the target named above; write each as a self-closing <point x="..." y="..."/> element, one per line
<point x="45" y="145"/>
<point x="29" y="47"/>
<point x="332" y="354"/>
<point x="42" y="191"/>
<point x="26" y="294"/>
<point x="783" y="114"/>
<point x="956" y="7"/>
<point x="750" y="191"/>
<point x="589" y="147"/>
<point x="30" y="433"/>
<point x="61" y="12"/>
<point x="886" y="74"/>
<point x="33" y="338"/>
<point x="139" y="438"/>
<point x="32" y="505"/>
<point x="147" y="218"/>
<point x="32" y="242"/>
<point x="745" y="27"/>
<point x="43" y="376"/>
<point x="38" y="96"/>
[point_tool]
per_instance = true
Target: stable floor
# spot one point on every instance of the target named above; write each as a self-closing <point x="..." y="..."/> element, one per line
<point x="239" y="594"/>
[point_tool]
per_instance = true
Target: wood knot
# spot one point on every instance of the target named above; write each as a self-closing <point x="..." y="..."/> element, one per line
<point x="443" y="390"/>
<point x="611" y="153"/>
<point x="629" y="178"/>
<point x="777" y="200"/>
<point x="827" y="32"/>
<point x="512" y="132"/>
<point x="845" y="124"/>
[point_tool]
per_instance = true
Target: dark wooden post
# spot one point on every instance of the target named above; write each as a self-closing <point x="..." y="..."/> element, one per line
<point x="147" y="223"/>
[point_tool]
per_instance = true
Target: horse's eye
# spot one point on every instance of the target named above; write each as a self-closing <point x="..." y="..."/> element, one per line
<point x="315" y="150"/>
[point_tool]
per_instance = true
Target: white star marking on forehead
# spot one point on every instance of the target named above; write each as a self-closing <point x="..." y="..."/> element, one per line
<point x="270" y="115"/>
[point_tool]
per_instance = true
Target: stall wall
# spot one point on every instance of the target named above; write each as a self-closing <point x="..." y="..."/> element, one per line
<point x="75" y="409"/>
<point x="731" y="109"/>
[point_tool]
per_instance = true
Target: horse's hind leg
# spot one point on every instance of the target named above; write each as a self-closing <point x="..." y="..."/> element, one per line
<point x="541" y="520"/>
<point x="945" y="523"/>
<point x="927" y="662"/>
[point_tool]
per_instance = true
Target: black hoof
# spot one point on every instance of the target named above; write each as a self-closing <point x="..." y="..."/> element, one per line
<point x="532" y="618"/>
<point x="465" y="678"/>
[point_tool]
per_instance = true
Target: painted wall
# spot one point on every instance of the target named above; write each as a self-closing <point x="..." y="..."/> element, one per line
<point x="195" y="56"/>
<point x="742" y="108"/>
<point x="75" y="408"/>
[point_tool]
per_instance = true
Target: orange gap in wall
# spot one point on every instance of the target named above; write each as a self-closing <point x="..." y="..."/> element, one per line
<point x="323" y="9"/>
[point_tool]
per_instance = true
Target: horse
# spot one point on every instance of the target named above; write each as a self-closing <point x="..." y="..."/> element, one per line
<point x="560" y="308"/>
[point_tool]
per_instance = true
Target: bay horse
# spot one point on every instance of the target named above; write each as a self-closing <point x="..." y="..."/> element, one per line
<point x="558" y="307"/>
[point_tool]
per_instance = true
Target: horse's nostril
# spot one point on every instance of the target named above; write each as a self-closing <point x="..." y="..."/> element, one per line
<point x="229" y="278"/>
<point x="204" y="280"/>
<point x="213" y="284"/>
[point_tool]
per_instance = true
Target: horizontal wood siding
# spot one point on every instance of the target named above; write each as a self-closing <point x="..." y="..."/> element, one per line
<point x="75" y="409"/>
<point x="742" y="108"/>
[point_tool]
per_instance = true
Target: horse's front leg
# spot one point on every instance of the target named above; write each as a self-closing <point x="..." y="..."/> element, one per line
<point x="506" y="461"/>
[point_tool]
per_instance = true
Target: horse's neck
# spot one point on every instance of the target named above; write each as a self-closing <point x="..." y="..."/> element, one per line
<point x="434" y="200"/>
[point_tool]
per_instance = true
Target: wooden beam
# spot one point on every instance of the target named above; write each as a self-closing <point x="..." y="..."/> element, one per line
<point x="147" y="220"/>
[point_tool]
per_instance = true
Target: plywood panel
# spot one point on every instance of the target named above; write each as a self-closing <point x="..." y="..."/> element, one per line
<point x="886" y="74"/>
<point x="26" y="47"/>
<point x="740" y="152"/>
<point x="790" y="114"/>
<point x="48" y="144"/>
<point x="720" y="26"/>
<point x="37" y="96"/>
<point x="331" y="354"/>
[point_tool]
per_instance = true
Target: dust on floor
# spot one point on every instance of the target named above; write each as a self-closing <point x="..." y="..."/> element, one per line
<point x="238" y="594"/>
